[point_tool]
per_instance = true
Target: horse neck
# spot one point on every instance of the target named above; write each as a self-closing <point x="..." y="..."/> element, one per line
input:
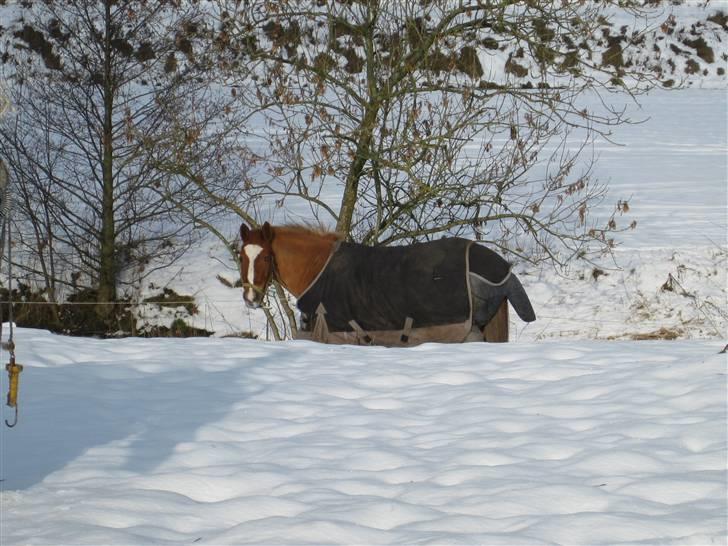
<point x="300" y="256"/>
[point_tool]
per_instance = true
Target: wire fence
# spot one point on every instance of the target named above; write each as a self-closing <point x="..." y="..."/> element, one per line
<point x="187" y="303"/>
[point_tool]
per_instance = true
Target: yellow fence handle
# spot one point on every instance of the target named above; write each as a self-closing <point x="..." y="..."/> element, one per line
<point x="14" y="380"/>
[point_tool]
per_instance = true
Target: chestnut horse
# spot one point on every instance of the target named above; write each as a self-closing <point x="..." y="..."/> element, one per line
<point x="300" y="258"/>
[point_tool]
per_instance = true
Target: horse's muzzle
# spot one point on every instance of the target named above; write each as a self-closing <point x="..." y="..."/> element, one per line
<point x="253" y="299"/>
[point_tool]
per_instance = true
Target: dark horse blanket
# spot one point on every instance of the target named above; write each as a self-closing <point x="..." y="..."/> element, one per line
<point x="369" y="290"/>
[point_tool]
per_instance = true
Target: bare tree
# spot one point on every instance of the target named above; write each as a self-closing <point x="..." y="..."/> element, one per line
<point x="403" y="120"/>
<point x="95" y="86"/>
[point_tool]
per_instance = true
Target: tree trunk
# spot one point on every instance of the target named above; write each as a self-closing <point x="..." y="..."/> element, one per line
<point x="107" y="254"/>
<point x="350" y="196"/>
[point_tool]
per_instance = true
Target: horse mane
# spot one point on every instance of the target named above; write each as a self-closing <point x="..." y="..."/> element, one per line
<point x="312" y="229"/>
<point x="302" y="251"/>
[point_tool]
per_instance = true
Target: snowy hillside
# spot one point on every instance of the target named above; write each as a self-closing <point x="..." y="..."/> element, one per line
<point x="213" y="441"/>
<point x="678" y="43"/>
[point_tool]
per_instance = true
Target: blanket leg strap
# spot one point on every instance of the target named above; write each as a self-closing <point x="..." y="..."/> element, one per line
<point x="363" y="336"/>
<point x="407" y="330"/>
<point x="320" y="330"/>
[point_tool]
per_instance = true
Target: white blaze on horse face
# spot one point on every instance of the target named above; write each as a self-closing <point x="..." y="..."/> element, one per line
<point x="252" y="252"/>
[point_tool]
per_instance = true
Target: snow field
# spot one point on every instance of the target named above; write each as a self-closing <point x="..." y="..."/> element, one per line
<point x="228" y="441"/>
<point x="564" y="441"/>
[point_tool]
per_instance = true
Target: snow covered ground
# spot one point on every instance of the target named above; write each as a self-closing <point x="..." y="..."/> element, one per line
<point x="562" y="437"/>
<point x="228" y="441"/>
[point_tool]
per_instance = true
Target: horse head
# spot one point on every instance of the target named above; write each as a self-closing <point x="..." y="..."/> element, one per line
<point x="256" y="262"/>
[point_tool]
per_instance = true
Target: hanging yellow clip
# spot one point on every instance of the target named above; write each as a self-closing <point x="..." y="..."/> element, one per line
<point x="14" y="380"/>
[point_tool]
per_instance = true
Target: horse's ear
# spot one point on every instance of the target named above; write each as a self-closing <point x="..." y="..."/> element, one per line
<point x="244" y="231"/>
<point x="267" y="232"/>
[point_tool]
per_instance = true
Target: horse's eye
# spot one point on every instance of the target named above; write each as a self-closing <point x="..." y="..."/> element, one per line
<point x="268" y="258"/>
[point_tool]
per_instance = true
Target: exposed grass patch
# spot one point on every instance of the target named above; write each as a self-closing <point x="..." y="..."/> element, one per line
<point x="613" y="54"/>
<point x="31" y="309"/>
<point x="512" y="67"/>
<point x="178" y="328"/>
<point x="468" y="63"/>
<point x="242" y="335"/>
<point x="702" y="49"/>
<point x="663" y="333"/>
<point x="170" y="298"/>
<point x="490" y="43"/>
<point x="692" y="66"/>
<point x="81" y="314"/>
<point x="719" y="18"/>
<point x="571" y="60"/>
<point x="354" y="63"/>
